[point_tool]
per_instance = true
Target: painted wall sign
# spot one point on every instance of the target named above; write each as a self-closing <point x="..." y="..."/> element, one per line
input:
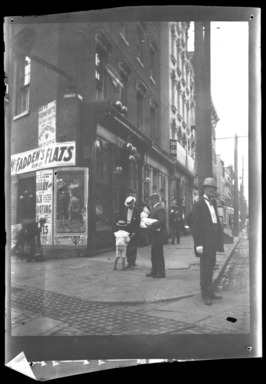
<point x="47" y="124"/>
<point x="70" y="207"/>
<point x="50" y="156"/>
<point x="44" y="204"/>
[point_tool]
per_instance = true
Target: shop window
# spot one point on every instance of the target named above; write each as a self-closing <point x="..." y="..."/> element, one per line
<point x="103" y="207"/>
<point x="23" y="85"/>
<point x="26" y="199"/>
<point x="103" y="197"/>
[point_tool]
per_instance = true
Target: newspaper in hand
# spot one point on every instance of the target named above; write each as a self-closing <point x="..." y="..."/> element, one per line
<point x="148" y="221"/>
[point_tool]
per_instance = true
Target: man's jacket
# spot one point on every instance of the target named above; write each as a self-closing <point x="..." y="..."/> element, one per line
<point x="161" y="236"/>
<point x="133" y="226"/>
<point x="203" y="229"/>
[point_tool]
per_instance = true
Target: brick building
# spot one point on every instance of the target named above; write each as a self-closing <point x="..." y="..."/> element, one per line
<point x="84" y="122"/>
<point x="178" y="111"/>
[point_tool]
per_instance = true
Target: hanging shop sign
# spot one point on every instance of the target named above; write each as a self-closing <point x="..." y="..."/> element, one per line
<point x="44" y="204"/>
<point x="50" y="156"/>
<point x="47" y="124"/>
<point x="70" y="207"/>
<point x="173" y="149"/>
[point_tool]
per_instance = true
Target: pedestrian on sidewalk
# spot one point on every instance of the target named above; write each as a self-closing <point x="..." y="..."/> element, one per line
<point x="122" y="239"/>
<point x="175" y="224"/>
<point x="158" y="236"/>
<point x="144" y="237"/>
<point x="208" y="237"/>
<point x="132" y="218"/>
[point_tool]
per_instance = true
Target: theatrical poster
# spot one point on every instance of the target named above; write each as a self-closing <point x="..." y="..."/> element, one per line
<point x="70" y="207"/>
<point x="44" y="204"/>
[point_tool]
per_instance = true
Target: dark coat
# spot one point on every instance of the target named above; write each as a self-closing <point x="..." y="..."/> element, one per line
<point x="202" y="229"/>
<point x="158" y="237"/>
<point x="175" y="219"/>
<point x="133" y="226"/>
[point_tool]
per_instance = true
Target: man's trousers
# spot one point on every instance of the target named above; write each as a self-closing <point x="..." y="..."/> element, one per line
<point x="157" y="260"/>
<point x="207" y="264"/>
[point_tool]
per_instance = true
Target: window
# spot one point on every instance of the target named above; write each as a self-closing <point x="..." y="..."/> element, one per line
<point x="125" y="72"/>
<point x="100" y="72"/>
<point x="124" y="90"/>
<point x="152" y="121"/>
<point x="140" y="43"/>
<point x="178" y="97"/>
<point x="23" y="96"/>
<point x="123" y="30"/>
<point x="183" y="107"/>
<point x="177" y="53"/>
<point x="141" y="91"/>
<point x="152" y="56"/>
<point x="173" y="43"/>
<point x="139" y="109"/>
<point x="173" y="91"/>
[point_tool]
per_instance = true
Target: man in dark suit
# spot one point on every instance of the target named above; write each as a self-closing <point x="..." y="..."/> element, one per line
<point x="175" y="224"/>
<point x="132" y="218"/>
<point x="158" y="236"/>
<point x="208" y="237"/>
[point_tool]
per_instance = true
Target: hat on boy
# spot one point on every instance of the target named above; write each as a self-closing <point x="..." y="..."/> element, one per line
<point x="121" y="223"/>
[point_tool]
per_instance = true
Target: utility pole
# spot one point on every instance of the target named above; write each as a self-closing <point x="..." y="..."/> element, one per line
<point x="236" y="195"/>
<point x="203" y="101"/>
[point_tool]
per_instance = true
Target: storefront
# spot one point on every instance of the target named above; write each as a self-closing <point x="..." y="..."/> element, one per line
<point x="113" y="149"/>
<point x="47" y="184"/>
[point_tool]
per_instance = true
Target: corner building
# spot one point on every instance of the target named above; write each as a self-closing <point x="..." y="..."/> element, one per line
<point x="85" y="133"/>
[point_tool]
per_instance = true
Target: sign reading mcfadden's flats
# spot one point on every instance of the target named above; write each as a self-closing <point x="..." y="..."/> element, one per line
<point x="50" y="156"/>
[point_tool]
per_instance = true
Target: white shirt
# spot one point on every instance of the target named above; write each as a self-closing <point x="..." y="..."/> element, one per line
<point x="122" y="238"/>
<point x="129" y="215"/>
<point x="211" y="209"/>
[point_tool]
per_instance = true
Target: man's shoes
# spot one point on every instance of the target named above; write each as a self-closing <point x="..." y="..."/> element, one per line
<point x="216" y="297"/>
<point x="149" y="274"/>
<point x="208" y="301"/>
<point x="158" y="276"/>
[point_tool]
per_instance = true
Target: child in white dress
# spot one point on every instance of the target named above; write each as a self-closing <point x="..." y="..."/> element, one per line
<point x="122" y="239"/>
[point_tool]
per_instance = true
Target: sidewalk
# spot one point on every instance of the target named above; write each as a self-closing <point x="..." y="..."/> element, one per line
<point x="94" y="279"/>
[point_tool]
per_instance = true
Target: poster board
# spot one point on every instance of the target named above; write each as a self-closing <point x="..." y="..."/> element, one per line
<point x="44" y="204"/>
<point x="70" y="207"/>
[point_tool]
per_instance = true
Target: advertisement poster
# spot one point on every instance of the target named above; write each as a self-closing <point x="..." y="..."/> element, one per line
<point x="51" y="156"/>
<point x="47" y="124"/>
<point x="44" y="204"/>
<point x="71" y="197"/>
<point x="14" y="231"/>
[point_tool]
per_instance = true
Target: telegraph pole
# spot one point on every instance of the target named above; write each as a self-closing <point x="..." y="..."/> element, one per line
<point x="236" y="194"/>
<point x="203" y="101"/>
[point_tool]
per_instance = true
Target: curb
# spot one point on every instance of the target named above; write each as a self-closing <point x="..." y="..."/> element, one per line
<point x="169" y="299"/>
<point x="215" y="281"/>
<point x="154" y="301"/>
